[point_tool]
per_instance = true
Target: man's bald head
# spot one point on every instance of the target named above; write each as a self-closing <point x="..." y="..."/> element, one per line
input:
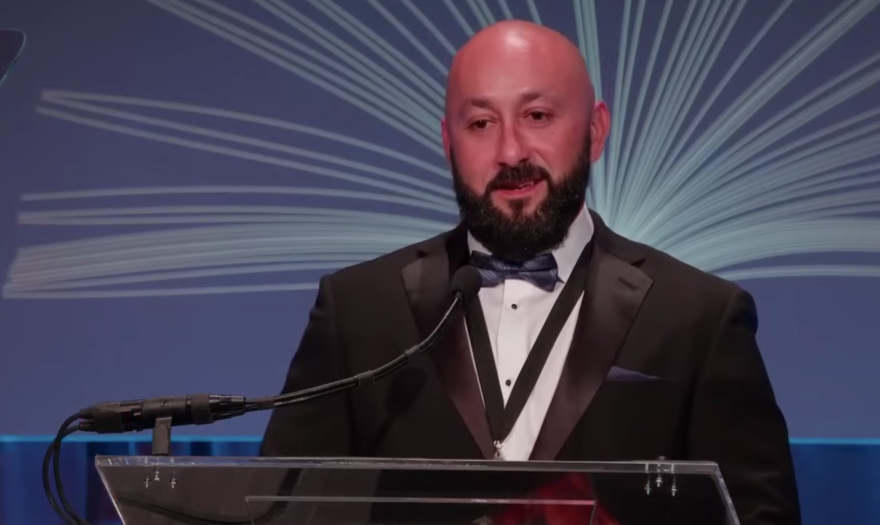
<point x="517" y="42"/>
<point x="520" y="131"/>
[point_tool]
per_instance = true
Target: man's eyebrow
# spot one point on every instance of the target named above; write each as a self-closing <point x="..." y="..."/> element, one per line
<point x="484" y="103"/>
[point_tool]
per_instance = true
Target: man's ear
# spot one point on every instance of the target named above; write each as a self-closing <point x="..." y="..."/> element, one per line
<point x="599" y="128"/>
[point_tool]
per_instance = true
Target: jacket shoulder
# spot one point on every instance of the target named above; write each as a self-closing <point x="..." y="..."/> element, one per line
<point x="688" y="276"/>
<point x="388" y="265"/>
<point x="670" y="274"/>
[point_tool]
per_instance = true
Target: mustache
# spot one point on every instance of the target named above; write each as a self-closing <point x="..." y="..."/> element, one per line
<point x="512" y="175"/>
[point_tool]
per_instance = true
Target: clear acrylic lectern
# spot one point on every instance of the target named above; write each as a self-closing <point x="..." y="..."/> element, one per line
<point x="162" y="490"/>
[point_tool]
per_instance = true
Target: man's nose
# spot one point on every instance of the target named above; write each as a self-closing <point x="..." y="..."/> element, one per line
<point x="511" y="150"/>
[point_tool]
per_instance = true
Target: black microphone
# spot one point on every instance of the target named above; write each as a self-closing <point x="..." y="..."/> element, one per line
<point x="141" y="414"/>
<point x="201" y="409"/>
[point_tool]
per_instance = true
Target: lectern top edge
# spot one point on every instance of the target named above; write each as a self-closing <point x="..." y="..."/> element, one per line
<point x="623" y="467"/>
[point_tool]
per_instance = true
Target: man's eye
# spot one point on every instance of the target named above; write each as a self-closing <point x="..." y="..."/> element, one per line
<point x="538" y="115"/>
<point x="479" y="124"/>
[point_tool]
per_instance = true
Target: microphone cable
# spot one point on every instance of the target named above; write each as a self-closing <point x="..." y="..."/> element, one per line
<point x="53" y="456"/>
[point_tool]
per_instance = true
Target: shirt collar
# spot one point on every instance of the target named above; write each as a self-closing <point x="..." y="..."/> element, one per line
<point x="566" y="254"/>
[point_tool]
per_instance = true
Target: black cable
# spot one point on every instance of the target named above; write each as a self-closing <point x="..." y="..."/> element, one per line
<point x="47" y="485"/>
<point x="56" y="467"/>
<point x="53" y="455"/>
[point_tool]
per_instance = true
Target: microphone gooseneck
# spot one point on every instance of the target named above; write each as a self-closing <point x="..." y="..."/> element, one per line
<point x="201" y="409"/>
<point x="464" y="286"/>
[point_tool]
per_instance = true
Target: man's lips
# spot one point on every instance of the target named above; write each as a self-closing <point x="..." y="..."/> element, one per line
<point x="518" y="189"/>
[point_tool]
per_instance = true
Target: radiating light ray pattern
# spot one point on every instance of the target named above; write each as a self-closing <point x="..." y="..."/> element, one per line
<point x="727" y="152"/>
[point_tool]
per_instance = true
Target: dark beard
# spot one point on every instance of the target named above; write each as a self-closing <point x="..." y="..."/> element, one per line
<point x="519" y="237"/>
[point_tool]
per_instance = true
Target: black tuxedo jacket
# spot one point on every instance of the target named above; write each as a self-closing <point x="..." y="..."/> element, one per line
<point x="704" y="393"/>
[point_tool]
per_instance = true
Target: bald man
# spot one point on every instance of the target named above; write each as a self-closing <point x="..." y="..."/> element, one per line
<point x="581" y="345"/>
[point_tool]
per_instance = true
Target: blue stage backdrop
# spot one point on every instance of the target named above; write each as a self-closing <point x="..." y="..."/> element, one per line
<point x="175" y="176"/>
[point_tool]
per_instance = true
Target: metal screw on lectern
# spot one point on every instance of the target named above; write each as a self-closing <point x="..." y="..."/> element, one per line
<point x="173" y="480"/>
<point x="659" y="480"/>
<point x="674" y="489"/>
<point x="147" y="481"/>
<point x="156" y="476"/>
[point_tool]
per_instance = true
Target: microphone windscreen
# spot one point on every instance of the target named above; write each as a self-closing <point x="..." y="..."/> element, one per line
<point x="466" y="280"/>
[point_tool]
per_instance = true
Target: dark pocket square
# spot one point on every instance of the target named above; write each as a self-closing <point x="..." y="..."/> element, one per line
<point x="622" y="374"/>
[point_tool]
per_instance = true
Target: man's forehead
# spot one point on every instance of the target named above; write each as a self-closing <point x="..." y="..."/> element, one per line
<point x="503" y="79"/>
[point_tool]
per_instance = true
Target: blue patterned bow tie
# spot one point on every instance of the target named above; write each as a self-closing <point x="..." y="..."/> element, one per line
<point x="540" y="271"/>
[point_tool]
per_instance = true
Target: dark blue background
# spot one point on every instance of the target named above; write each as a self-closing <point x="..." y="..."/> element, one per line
<point x="818" y="333"/>
<point x="814" y="271"/>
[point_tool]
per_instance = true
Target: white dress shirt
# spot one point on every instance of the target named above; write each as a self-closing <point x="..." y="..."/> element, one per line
<point x="515" y="312"/>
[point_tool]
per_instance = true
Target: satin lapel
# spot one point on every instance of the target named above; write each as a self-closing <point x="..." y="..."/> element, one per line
<point x="427" y="282"/>
<point x="614" y="292"/>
